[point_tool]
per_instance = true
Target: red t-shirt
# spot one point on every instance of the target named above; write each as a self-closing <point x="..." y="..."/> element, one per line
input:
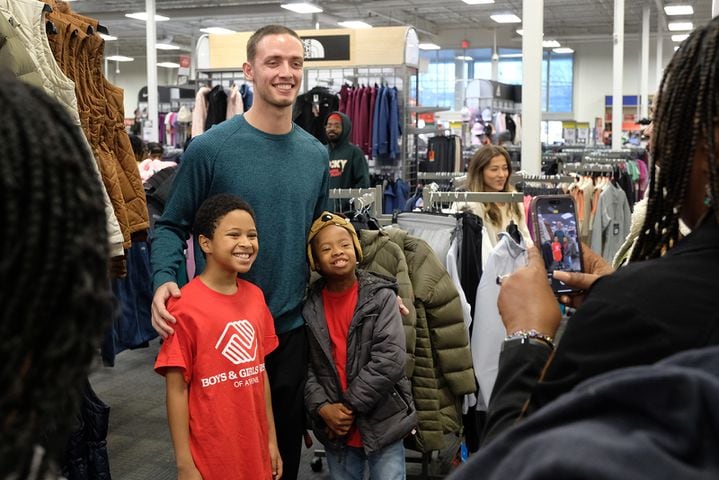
<point x="339" y="309"/>
<point x="220" y="343"/>
<point x="557" y="251"/>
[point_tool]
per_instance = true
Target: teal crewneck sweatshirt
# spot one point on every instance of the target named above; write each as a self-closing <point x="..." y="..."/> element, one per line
<point x="285" y="180"/>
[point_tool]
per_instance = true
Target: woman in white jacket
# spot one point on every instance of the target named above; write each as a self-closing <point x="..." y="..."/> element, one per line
<point x="489" y="171"/>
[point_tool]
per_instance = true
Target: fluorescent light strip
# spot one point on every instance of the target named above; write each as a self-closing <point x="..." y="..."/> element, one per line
<point x="429" y="46"/>
<point x="465" y="58"/>
<point x="301" y="7"/>
<point x="550" y="44"/>
<point x="143" y="16"/>
<point x="511" y="55"/>
<point x="563" y="50"/>
<point x="168" y="65"/>
<point x="680" y="26"/>
<point x="217" y="31"/>
<point x="478" y="2"/>
<point x="505" y="18"/>
<point x="680" y="38"/>
<point x="120" y="58"/>
<point x="166" y="46"/>
<point x="679" y="10"/>
<point x="107" y="38"/>
<point x="354" y="24"/>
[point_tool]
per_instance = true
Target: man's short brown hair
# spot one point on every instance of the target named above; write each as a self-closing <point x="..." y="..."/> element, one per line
<point x="262" y="33"/>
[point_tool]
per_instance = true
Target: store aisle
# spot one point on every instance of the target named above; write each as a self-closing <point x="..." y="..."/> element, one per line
<point x="139" y="442"/>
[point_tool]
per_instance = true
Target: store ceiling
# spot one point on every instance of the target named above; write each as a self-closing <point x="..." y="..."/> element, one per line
<point x="562" y="18"/>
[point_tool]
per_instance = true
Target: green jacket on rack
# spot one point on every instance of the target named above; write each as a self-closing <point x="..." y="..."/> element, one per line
<point x="442" y="372"/>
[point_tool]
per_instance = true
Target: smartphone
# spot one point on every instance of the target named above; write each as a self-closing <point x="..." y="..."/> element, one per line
<point x="556" y="234"/>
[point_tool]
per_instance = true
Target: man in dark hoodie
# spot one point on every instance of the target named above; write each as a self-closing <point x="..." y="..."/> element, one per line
<point x="348" y="167"/>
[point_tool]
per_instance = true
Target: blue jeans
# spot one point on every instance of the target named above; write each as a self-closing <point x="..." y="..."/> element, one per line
<point x="349" y="464"/>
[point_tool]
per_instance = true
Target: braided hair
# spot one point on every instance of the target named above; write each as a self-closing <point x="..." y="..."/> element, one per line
<point x="55" y="300"/>
<point x="688" y="96"/>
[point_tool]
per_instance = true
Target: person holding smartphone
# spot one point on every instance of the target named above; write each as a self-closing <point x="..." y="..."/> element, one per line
<point x="489" y="171"/>
<point x="662" y="303"/>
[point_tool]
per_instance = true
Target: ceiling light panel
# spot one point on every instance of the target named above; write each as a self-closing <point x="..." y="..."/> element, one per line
<point x="478" y="2"/>
<point x="166" y="46"/>
<point x="120" y="58"/>
<point x="143" y="16"/>
<point x="680" y="38"/>
<point x="168" y="65"/>
<point x="505" y="18"/>
<point x="354" y="24"/>
<point x="301" y="7"/>
<point x="679" y="10"/>
<point x="550" y="44"/>
<point x="429" y="46"/>
<point x="107" y="38"/>
<point x="680" y="26"/>
<point x="563" y="50"/>
<point x="217" y="31"/>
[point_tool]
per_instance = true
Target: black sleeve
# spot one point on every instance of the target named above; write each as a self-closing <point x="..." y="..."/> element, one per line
<point x="520" y="366"/>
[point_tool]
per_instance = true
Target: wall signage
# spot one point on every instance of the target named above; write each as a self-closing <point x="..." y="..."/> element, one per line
<point x="326" y="47"/>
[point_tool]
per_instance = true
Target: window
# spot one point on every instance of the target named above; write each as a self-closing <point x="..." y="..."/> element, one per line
<point x="436" y="86"/>
<point x="561" y="76"/>
<point x="437" y="83"/>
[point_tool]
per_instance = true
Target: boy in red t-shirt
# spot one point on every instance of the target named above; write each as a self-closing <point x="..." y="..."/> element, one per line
<point x="357" y="394"/>
<point x="218" y="396"/>
<point x="556" y="253"/>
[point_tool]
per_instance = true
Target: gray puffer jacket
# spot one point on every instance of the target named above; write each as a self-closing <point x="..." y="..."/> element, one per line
<point x="377" y="389"/>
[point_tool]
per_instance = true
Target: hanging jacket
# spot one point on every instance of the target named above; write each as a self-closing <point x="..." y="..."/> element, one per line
<point x="380" y="255"/>
<point x="380" y="133"/>
<point x="14" y="55"/>
<point x="443" y="371"/>
<point x="311" y="109"/>
<point x="377" y="389"/>
<point x="247" y="96"/>
<point x="216" y="106"/>
<point x="348" y="167"/>
<point x="86" y="456"/>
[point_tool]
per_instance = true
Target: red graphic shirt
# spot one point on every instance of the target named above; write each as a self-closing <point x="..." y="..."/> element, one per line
<point x="220" y="343"/>
<point x="557" y="251"/>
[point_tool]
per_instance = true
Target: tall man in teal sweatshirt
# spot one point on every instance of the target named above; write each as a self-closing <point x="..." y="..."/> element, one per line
<point x="282" y="171"/>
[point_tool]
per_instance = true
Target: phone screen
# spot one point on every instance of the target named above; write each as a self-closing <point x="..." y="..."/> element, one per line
<point x="557" y="236"/>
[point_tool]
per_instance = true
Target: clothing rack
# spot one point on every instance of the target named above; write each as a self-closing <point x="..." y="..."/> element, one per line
<point x="588" y="168"/>
<point x="520" y="177"/>
<point x="438" y="175"/>
<point x="361" y="198"/>
<point x="605" y="160"/>
<point x="220" y="76"/>
<point x="458" y="179"/>
<point x="430" y="198"/>
<point x="403" y="77"/>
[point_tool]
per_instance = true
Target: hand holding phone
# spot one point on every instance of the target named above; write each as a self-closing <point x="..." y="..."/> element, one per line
<point x="594" y="267"/>
<point x="556" y="235"/>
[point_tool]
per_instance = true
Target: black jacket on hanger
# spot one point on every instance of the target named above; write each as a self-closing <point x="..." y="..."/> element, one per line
<point x="311" y="110"/>
<point x="216" y="106"/>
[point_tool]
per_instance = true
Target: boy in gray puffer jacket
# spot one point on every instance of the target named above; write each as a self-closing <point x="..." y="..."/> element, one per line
<point x="357" y="394"/>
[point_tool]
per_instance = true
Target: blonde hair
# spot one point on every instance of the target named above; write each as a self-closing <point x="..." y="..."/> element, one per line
<point x="475" y="179"/>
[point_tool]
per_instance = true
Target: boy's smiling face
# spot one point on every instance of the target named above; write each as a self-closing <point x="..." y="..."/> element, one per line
<point x="234" y="244"/>
<point x="334" y="252"/>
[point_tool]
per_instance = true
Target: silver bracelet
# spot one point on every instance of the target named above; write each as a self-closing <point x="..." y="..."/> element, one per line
<point x="531" y="335"/>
